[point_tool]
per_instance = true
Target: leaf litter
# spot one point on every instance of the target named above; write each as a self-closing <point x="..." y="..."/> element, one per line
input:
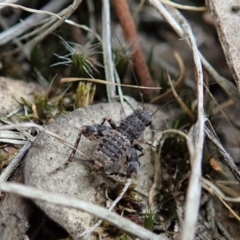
<point x="172" y="180"/>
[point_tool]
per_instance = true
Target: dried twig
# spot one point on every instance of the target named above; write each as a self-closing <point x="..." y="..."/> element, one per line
<point x="18" y="29"/>
<point x="6" y="173"/>
<point x="130" y="32"/>
<point x="114" y="203"/>
<point x="180" y="101"/>
<point x="122" y="223"/>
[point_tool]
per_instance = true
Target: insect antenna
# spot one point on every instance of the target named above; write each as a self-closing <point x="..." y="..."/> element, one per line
<point x="170" y="101"/>
<point x="131" y="67"/>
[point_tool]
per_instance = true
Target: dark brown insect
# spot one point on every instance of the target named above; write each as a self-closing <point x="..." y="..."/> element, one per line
<point x="117" y="141"/>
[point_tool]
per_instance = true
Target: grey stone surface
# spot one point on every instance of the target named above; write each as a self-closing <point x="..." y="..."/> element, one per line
<point x="47" y="154"/>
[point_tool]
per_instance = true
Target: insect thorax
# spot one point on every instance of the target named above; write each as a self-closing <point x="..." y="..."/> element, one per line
<point x="135" y="124"/>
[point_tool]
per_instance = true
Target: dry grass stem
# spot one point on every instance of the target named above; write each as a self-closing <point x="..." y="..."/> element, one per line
<point x="22" y="27"/>
<point x="114" y="203"/>
<point x="107" y="49"/>
<point x="169" y="131"/>
<point x="213" y="189"/>
<point x="220" y="107"/>
<point x="180" y="101"/>
<point x="9" y="1"/>
<point x="139" y="8"/>
<point x="229" y="208"/>
<point x="64" y="14"/>
<point x="127" y="23"/>
<point x="120" y="222"/>
<point x="6" y="173"/>
<point x="70" y="22"/>
<point x="226" y="158"/>
<point x="166" y="96"/>
<point x="30" y="9"/>
<point x="195" y="146"/>
<point x="183" y="7"/>
<point x="42" y="129"/>
<point x="67" y="80"/>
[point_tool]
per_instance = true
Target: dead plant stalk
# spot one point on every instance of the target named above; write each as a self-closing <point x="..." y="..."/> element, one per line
<point x="127" y="23"/>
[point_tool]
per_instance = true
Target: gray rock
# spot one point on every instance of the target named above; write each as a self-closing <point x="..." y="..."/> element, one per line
<point x="47" y="154"/>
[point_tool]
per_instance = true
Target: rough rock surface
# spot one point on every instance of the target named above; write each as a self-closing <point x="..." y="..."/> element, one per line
<point x="11" y="92"/>
<point x="47" y="154"/>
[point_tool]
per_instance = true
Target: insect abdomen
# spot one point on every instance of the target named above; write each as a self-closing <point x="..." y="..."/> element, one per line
<point x="110" y="150"/>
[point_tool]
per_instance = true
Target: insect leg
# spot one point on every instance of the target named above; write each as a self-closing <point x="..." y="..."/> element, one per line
<point x="133" y="160"/>
<point x="140" y="149"/>
<point x="110" y="121"/>
<point x="91" y="132"/>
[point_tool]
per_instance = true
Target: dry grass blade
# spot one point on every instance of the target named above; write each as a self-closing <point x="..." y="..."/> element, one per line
<point x="65" y="14"/>
<point x="114" y="203"/>
<point x="9" y="1"/>
<point x="183" y="7"/>
<point x="42" y="129"/>
<point x="169" y="131"/>
<point x="217" y="192"/>
<point x="195" y="146"/>
<point x="30" y="9"/>
<point x="220" y="109"/>
<point x="107" y="49"/>
<point x="18" y="29"/>
<point x="226" y="157"/>
<point x="6" y="173"/>
<point x="70" y="22"/>
<point x="12" y="137"/>
<point x="180" y="101"/>
<point x="166" y="96"/>
<point x="122" y="223"/>
<point x="229" y="208"/>
<point x="212" y="188"/>
<point x="67" y="80"/>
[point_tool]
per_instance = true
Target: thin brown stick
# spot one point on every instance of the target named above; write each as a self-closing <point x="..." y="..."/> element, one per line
<point x="130" y="32"/>
<point x="180" y="101"/>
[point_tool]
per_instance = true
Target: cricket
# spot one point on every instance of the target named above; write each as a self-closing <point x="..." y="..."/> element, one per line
<point x="117" y="141"/>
